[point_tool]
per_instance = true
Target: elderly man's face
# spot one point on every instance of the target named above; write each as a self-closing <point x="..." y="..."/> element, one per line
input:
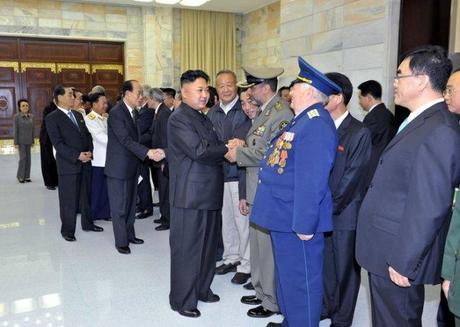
<point x="299" y="96"/>
<point x="226" y="87"/>
<point x="196" y="94"/>
<point x="135" y="97"/>
<point x="249" y="106"/>
<point x="452" y="93"/>
<point x="67" y="99"/>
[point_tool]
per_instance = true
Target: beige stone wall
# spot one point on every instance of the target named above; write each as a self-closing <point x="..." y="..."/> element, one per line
<point x="355" y="37"/>
<point x="259" y="33"/>
<point x="145" y="31"/>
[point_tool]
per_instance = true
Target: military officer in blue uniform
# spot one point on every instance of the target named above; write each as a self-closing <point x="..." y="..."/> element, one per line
<point x="293" y="199"/>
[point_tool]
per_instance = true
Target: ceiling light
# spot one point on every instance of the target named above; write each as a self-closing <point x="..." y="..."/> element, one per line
<point x="167" y="2"/>
<point x="193" y="3"/>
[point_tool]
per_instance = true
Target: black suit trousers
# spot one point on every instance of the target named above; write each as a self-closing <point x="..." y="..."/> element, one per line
<point x="144" y="190"/>
<point x="48" y="165"/>
<point x="342" y="277"/>
<point x="163" y="194"/>
<point x="393" y="305"/>
<point x="122" y="201"/>
<point x="193" y="242"/>
<point x="74" y="193"/>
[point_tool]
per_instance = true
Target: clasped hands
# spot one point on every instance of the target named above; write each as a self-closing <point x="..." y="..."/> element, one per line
<point x="85" y="156"/>
<point x="232" y="145"/>
<point x="156" y="154"/>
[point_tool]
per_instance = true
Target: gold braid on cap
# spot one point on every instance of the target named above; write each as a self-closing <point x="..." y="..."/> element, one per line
<point x="303" y="79"/>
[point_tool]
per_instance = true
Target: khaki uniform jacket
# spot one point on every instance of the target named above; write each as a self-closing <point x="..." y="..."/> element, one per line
<point x="451" y="260"/>
<point x="265" y="127"/>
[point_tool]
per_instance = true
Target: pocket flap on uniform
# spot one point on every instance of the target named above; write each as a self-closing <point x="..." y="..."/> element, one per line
<point x="386" y="224"/>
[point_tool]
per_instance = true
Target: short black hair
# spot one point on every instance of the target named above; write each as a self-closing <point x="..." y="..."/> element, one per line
<point x="272" y="82"/>
<point x="344" y="82"/>
<point x="127" y="86"/>
<point x="212" y="95"/>
<point x="94" y="97"/>
<point x="282" y="88"/>
<point x="58" y="90"/>
<point x="371" y="87"/>
<point x="191" y="76"/>
<point x="169" y="91"/>
<point x="430" y="60"/>
<point x="22" y="100"/>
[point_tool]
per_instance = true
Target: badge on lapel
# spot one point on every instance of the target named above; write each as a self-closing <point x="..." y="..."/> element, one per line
<point x="278" y="106"/>
<point x="259" y="130"/>
<point x="283" y="124"/>
<point x="340" y="148"/>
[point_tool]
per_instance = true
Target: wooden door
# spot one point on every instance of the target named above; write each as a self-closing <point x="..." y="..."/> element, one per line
<point x="76" y="75"/>
<point x="9" y="94"/>
<point x="38" y="82"/>
<point x="109" y="76"/>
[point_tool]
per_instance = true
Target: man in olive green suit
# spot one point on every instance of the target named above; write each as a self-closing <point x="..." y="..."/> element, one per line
<point x="451" y="264"/>
<point x="274" y="115"/>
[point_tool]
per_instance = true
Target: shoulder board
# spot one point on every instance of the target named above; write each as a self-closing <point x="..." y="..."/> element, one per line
<point x="91" y="115"/>
<point x="313" y="113"/>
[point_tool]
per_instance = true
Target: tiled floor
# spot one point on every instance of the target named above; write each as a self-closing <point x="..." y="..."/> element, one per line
<point x="45" y="281"/>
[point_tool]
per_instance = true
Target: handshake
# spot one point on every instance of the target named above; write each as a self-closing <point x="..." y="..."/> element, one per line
<point x="232" y="145"/>
<point x="85" y="156"/>
<point x="156" y="154"/>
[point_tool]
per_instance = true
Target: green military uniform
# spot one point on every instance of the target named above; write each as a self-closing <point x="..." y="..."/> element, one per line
<point x="451" y="261"/>
<point x="275" y="116"/>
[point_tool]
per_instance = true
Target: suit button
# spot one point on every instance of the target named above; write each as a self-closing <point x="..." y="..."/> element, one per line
<point x="271" y="146"/>
<point x="381" y="161"/>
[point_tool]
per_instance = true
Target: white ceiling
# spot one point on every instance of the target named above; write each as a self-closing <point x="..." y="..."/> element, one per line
<point x="235" y="6"/>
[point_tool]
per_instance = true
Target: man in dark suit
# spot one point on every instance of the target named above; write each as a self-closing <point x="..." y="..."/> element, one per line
<point x="48" y="162"/>
<point x="342" y="274"/>
<point x="124" y="156"/>
<point x="159" y="141"/>
<point x="74" y="146"/>
<point x="404" y="217"/>
<point x="195" y="158"/>
<point x="379" y="120"/>
<point x="144" y="189"/>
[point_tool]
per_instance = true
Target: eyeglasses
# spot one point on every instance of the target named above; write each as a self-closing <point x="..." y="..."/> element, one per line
<point x="448" y="92"/>
<point x="398" y="77"/>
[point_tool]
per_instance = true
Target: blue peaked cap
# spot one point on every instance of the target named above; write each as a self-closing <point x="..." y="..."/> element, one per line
<point x="310" y="75"/>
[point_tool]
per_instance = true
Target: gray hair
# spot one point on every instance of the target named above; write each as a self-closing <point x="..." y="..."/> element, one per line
<point x="97" y="89"/>
<point x="317" y="94"/>
<point x="156" y="93"/>
<point x="146" y="89"/>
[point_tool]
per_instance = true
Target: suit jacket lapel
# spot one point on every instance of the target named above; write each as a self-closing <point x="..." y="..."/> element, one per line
<point x="67" y="120"/>
<point x="128" y="115"/>
<point x="342" y="130"/>
<point x="412" y="126"/>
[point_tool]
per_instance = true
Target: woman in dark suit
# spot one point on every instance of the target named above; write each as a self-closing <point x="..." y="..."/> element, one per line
<point x="23" y="139"/>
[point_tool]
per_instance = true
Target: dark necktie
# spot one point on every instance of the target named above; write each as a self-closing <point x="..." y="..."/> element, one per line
<point x="72" y="118"/>
<point x="135" y="115"/>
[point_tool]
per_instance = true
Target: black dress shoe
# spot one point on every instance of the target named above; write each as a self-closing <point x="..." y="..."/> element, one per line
<point x="51" y="188"/>
<point x="69" y="238"/>
<point x="94" y="228"/>
<point x="136" y="241"/>
<point x="274" y="324"/>
<point x="248" y="286"/>
<point x="251" y="300"/>
<point x="28" y="180"/>
<point x="21" y="181"/>
<point x="124" y="249"/>
<point x="260" y="312"/>
<point x="144" y="215"/>
<point x="193" y="313"/>
<point x="162" y="227"/>
<point x="240" y="278"/>
<point x="160" y="220"/>
<point x="226" y="268"/>
<point x="211" y="299"/>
